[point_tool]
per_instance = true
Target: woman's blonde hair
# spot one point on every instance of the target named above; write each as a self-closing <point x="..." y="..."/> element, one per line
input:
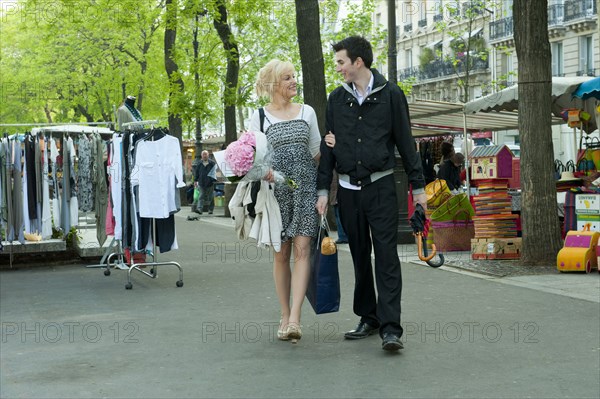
<point x="269" y="76"/>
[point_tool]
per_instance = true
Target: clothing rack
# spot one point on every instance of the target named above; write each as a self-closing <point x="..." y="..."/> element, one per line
<point x="70" y="128"/>
<point x="54" y="124"/>
<point x="154" y="264"/>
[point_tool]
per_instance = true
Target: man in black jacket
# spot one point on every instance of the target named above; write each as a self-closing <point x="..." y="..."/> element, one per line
<point x="367" y="118"/>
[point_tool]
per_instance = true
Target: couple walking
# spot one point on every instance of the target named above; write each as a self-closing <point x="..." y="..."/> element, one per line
<point x="367" y="119"/>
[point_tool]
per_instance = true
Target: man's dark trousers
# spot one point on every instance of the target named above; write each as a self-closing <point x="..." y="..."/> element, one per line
<point x="373" y="212"/>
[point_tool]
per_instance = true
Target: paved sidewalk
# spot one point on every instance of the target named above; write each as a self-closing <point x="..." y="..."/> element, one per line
<point x="510" y="272"/>
<point x="71" y="331"/>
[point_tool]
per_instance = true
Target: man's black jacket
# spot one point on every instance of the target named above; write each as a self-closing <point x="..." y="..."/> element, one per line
<point x="365" y="135"/>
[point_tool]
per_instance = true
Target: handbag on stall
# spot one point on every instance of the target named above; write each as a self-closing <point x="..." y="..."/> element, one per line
<point x="454" y="235"/>
<point x="457" y="207"/>
<point x="437" y="192"/>
<point x="323" y="291"/>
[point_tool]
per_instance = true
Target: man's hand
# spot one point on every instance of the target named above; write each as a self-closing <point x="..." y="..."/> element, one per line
<point x="420" y="199"/>
<point x="330" y="140"/>
<point x="322" y="204"/>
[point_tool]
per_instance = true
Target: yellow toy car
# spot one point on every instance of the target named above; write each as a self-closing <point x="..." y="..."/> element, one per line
<point x="579" y="251"/>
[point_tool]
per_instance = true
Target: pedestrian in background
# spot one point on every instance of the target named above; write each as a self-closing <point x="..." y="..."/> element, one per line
<point x="205" y="177"/>
<point x="447" y="150"/>
<point x="450" y="171"/>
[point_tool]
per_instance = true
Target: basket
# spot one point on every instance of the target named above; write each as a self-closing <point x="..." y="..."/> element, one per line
<point x="457" y="207"/>
<point x="454" y="235"/>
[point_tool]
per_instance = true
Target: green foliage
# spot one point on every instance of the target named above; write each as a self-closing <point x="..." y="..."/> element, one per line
<point x="427" y="55"/>
<point x="465" y="47"/>
<point x="75" y="61"/>
<point x="357" y="22"/>
<point x="72" y="237"/>
<point x="407" y="85"/>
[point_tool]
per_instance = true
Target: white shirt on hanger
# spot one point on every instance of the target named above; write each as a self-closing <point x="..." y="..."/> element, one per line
<point x="158" y="171"/>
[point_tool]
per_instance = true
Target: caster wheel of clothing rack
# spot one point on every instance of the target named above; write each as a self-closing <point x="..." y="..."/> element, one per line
<point x="107" y="272"/>
<point x="128" y="286"/>
<point x="179" y="283"/>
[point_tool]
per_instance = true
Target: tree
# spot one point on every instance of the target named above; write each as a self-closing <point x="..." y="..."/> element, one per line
<point x="75" y="65"/>
<point x="311" y="55"/>
<point x="541" y="230"/>
<point x="176" y="85"/>
<point x="233" y="68"/>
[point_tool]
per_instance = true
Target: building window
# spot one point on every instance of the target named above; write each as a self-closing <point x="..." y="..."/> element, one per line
<point x="507" y="70"/>
<point x="506" y="8"/>
<point x="557" y="59"/>
<point x="556" y="12"/>
<point x="408" y="58"/>
<point x="586" y="56"/>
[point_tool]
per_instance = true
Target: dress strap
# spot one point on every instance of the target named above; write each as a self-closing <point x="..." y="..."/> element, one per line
<point x="262" y="116"/>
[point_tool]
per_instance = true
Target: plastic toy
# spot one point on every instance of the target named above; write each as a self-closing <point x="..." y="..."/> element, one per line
<point x="579" y="251"/>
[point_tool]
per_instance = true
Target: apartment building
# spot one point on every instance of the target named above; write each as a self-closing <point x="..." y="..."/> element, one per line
<point x="434" y="38"/>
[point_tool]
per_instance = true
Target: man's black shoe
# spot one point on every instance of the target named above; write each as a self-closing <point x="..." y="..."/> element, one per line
<point x="391" y="342"/>
<point x="198" y="212"/>
<point x="210" y="212"/>
<point x="363" y="330"/>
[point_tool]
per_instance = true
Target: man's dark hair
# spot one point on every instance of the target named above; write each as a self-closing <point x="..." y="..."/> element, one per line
<point x="356" y="46"/>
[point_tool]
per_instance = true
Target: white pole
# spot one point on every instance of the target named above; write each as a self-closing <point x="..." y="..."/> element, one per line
<point x="466" y="142"/>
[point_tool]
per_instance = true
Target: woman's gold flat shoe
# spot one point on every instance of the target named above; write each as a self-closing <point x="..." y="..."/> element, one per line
<point x="294" y="332"/>
<point x="282" y="334"/>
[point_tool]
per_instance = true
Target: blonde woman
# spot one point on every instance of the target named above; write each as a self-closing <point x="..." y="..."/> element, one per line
<point x="292" y="129"/>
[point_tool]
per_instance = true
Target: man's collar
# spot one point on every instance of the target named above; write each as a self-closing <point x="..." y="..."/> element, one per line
<point x="369" y="86"/>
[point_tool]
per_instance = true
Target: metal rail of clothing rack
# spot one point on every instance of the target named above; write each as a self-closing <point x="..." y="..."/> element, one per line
<point x="153" y="273"/>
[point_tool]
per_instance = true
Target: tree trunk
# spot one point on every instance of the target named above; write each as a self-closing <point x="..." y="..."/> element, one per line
<point x="311" y="54"/>
<point x="176" y="85"/>
<point x="392" y="51"/>
<point x="198" y="135"/>
<point x="541" y="229"/>
<point x="233" y="69"/>
<point x="240" y="115"/>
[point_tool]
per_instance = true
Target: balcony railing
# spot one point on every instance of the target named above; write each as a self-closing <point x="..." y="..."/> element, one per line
<point x="408" y="28"/>
<point x="556" y="14"/>
<point x="502" y="28"/>
<point x="422" y="23"/>
<point x="579" y="9"/>
<point x="440" y="68"/>
<point x="472" y="6"/>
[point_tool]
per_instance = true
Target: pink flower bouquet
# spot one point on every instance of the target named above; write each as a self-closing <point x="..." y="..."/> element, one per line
<point x="250" y="159"/>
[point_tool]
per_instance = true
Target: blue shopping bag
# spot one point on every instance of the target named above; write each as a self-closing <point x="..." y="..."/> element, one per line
<point x="323" y="290"/>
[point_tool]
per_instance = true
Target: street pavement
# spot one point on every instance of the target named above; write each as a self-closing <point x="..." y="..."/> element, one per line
<point x="72" y="332"/>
